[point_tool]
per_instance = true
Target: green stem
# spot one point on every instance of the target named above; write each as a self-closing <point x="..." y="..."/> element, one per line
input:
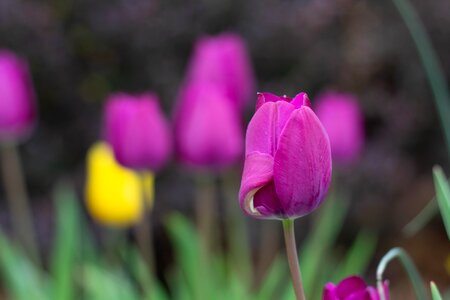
<point x="430" y="62"/>
<point x="410" y="268"/>
<point x="16" y="194"/>
<point x="291" y="250"/>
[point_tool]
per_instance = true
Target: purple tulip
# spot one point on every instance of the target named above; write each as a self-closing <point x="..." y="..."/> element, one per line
<point x="341" y="115"/>
<point x="208" y="130"/>
<point x="223" y="60"/>
<point x="137" y="131"/>
<point x="17" y="97"/>
<point x="353" y="288"/>
<point x="287" y="168"/>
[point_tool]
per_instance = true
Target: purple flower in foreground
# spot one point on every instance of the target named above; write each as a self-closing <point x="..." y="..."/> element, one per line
<point x="341" y="116"/>
<point x="287" y="168"/>
<point x="17" y="98"/>
<point x="353" y="288"/>
<point x="137" y="131"/>
<point x="208" y="130"/>
<point x="224" y="61"/>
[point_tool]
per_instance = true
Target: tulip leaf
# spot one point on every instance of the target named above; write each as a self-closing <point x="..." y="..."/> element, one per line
<point x="442" y="196"/>
<point x="22" y="279"/>
<point x="430" y="62"/>
<point x="277" y="274"/>
<point x="186" y="246"/>
<point x="66" y="241"/>
<point x="358" y="257"/>
<point x="435" y="294"/>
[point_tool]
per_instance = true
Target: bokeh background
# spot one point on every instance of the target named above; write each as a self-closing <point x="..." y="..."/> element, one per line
<point x="80" y="51"/>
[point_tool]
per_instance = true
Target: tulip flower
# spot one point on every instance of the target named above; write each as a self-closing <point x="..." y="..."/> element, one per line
<point x="223" y="60"/>
<point x="353" y="288"/>
<point x="115" y="194"/>
<point x="208" y="130"/>
<point x="341" y="116"/>
<point x="287" y="168"/>
<point x="17" y="98"/>
<point x="137" y="131"/>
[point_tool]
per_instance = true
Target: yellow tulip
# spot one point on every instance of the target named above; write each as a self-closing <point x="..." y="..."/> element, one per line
<point x="114" y="194"/>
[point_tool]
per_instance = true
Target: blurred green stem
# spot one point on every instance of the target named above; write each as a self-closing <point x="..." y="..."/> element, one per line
<point x="430" y="62"/>
<point x="237" y="234"/>
<point x="410" y="268"/>
<point x="16" y="195"/>
<point x="205" y="211"/>
<point x="291" y="250"/>
<point x="144" y="232"/>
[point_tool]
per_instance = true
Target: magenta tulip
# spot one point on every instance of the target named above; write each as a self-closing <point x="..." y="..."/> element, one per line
<point x="223" y="60"/>
<point x="208" y="130"/>
<point x="287" y="168"/>
<point x="137" y="131"/>
<point x="17" y="98"/>
<point x="341" y="116"/>
<point x="353" y="288"/>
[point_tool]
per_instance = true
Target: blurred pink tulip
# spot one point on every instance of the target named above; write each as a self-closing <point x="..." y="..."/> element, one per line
<point x="341" y="115"/>
<point x="353" y="288"/>
<point x="17" y="98"/>
<point x="208" y="130"/>
<point x="287" y="168"/>
<point x="223" y="60"/>
<point x="137" y="131"/>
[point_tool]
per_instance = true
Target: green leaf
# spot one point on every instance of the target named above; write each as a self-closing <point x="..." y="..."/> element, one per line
<point x="23" y="280"/>
<point x="408" y="264"/>
<point x="358" y="257"/>
<point x="187" y="255"/>
<point x="442" y="196"/>
<point x="430" y="61"/>
<point x="435" y="295"/>
<point x="66" y="243"/>
<point x="277" y="274"/>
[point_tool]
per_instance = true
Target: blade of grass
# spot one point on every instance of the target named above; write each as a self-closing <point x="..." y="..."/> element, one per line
<point x="66" y="243"/>
<point x="435" y="295"/>
<point x="411" y="270"/>
<point x="430" y="62"/>
<point x="442" y="196"/>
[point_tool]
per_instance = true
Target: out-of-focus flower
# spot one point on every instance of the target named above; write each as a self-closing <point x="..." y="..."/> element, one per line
<point x="17" y="98"/>
<point x="208" y="130"/>
<point x="287" y="168"/>
<point x="137" y="131"/>
<point x="341" y="116"/>
<point x="114" y="194"/>
<point x="353" y="288"/>
<point x="223" y="60"/>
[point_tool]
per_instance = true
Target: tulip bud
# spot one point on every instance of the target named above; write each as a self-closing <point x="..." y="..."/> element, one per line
<point x="341" y="116"/>
<point x="353" y="288"/>
<point x="137" y="131"/>
<point x="17" y="98"/>
<point x="115" y="194"/>
<point x="223" y="60"/>
<point x="208" y="129"/>
<point x="287" y="168"/>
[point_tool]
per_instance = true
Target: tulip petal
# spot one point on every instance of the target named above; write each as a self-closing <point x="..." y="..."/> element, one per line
<point x="266" y="97"/>
<point x="302" y="163"/>
<point x="349" y="286"/>
<point x="300" y="100"/>
<point x="329" y="292"/>
<point x="258" y="171"/>
<point x="266" y="125"/>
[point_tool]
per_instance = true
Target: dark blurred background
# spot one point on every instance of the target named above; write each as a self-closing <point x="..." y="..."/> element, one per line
<point x="79" y="51"/>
